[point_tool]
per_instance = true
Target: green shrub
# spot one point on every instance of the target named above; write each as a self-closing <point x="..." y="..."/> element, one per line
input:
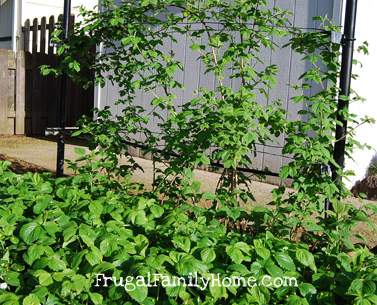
<point x="57" y="235"/>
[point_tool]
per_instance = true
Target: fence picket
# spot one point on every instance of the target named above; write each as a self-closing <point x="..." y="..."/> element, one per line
<point x="51" y="29"/>
<point x="27" y="36"/>
<point x="34" y="47"/>
<point x="42" y="93"/>
<point x="42" y="47"/>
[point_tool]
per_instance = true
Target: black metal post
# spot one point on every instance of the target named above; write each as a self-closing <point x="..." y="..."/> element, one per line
<point x="345" y="86"/>
<point x="62" y="100"/>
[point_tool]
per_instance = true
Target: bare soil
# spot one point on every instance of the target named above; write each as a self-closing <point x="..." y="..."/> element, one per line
<point x="20" y="167"/>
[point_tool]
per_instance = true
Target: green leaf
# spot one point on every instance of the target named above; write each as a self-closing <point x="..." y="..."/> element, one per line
<point x="296" y="300"/>
<point x="31" y="232"/>
<point x="157" y="211"/>
<point x="208" y="255"/>
<point x="218" y="292"/>
<point x="87" y="235"/>
<point x="139" y="294"/>
<point x="285" y="261"/>
<point x="94" y="256"/>
<point x="188" y="264"/>
<point x="362" y="301"/>
<point x="272" y="269"/>
<point x="12" y="278"/>
<point x="31" y="299"/>
<point x="80" y="151"/>
<point x="69" y="234"/>
<point x="138" y="217"/>
<point x="182" y="242"/>
<point x="235" y="254"/>
<point x="33" y="253"/>
<point x="361" y="287"/>
<point x="195" y="47"/>
<point x="306" y="258"/>
<point x="74" y="65"/>
<point x="261" y="250"/>
<point x="96" y="298"/>
<point x="44" y="278"/>
<point x="8" y="299"/>
<point x="41" y="204"/>
<point x="307" y="289"/>
<point x="56" y="263"/>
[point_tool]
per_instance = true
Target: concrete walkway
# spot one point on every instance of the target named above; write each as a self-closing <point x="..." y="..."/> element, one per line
<point x="42" y="152"/>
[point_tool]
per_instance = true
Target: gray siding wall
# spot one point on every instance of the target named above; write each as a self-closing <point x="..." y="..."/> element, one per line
<point x="289" y="63"/>
<point x="6" y="10"/>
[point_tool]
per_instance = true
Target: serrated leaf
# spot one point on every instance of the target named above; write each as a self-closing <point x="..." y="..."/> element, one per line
<point x="31" y="232"/>
<point x="306" y="258"/>
<point x="96" y="298"/>
<point x="87" y="235"/>
<point x="208" y="255"/>
<point x="31" y="299"/>
<point x="285" y="261"/>
<point x="44" y="278"/>
<point x="139" y="294"/>
<point x="235" y="254"/>
<point x="218" y="292"/>
<point x="12" y="278"/>
<point x="33" y="253"/>
<point x="307" y="289"/>
<point x="182" y="242"/>
<point x="157" y="211"/>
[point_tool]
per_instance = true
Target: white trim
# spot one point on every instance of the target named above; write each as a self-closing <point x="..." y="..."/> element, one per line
<point x="15" y="25"/>
<point x="98" y="88"/>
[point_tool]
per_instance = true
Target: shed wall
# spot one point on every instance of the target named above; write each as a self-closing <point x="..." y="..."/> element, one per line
<point x="290" y="69"/>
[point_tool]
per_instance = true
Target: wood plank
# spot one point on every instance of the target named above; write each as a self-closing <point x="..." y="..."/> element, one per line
<point x="3" y="88"/>
<point x="51" y="29"/>
<point x="28" y="93"/>
<point x="6" y="84"/>
<point x="42" y="48"/>
<point x="20" y="94"/>
<point x="34" y="46"/>
<point x="27" y="36"/>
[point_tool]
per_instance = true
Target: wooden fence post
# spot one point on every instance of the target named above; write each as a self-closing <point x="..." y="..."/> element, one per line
<point x="27" y="36"/>
<point x="51" y="29"/>
<point x="42" y="48"/>
<point x="3" y="90"/>
<point x="20" y="93"/>
<point x="34" y="47"/>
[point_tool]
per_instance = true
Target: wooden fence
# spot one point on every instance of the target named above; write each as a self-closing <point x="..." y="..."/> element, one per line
<point x="12" y="92"/>
<point x="43" y="93"/>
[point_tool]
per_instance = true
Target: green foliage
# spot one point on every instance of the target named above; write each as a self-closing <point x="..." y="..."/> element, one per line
<point x="57" y="235"/>
<point x="220" y="126"/>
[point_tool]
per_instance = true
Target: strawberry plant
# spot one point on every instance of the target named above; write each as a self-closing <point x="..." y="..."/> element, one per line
<point x="60" y="237"/>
